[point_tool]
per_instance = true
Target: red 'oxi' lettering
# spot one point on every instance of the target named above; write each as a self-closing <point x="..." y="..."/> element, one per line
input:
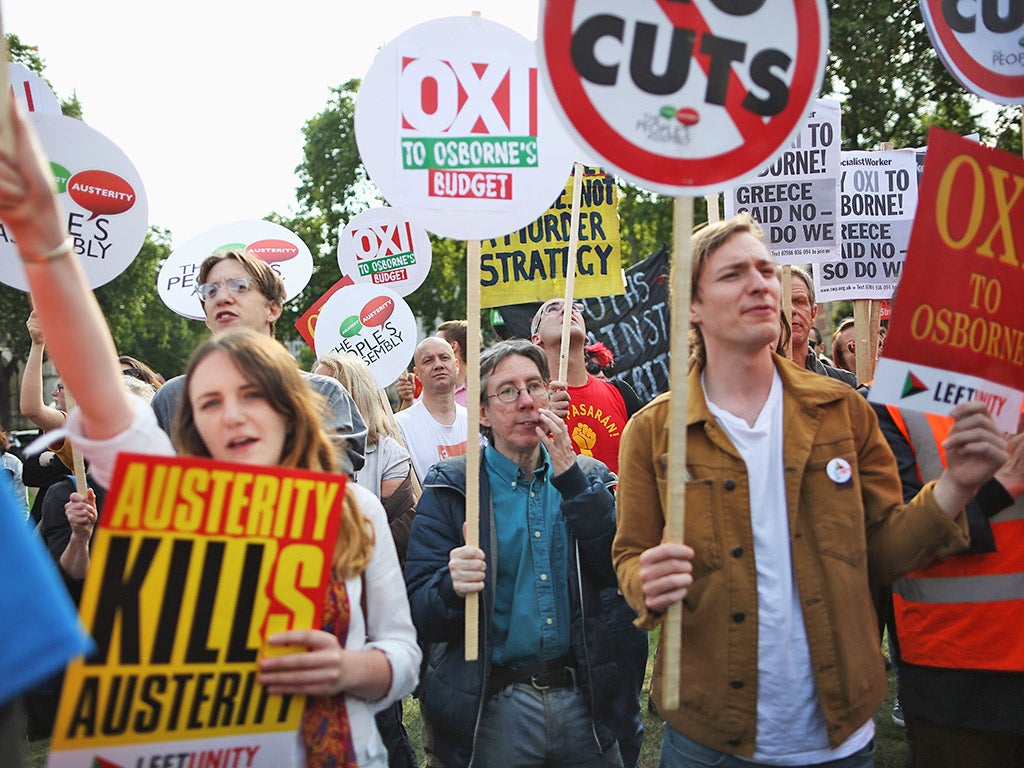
<point x="471" y="184"/>
<point x="101" y="192"/>
<point x="376" y="311"/>
<point x="272" y="250"/>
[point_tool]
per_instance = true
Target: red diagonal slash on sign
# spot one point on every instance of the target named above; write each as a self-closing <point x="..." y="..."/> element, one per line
<point x="688" y="16"/>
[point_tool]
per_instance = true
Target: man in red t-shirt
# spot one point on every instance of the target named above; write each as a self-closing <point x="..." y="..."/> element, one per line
<point x="599" y="409"/>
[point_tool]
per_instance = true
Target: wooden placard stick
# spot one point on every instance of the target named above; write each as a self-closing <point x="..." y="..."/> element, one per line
<point x="570" y="270"/>
<point x="874" y="330"/>
<point x="473" y="248"/>
<point x="679" y="346"/>
<point x="714" y="215"/>
<point x="77" y="460"/>
<point x="472" y="433"/>
<point x="862" y="339"/>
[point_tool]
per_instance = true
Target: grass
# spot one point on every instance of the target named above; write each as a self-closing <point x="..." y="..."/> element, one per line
<point x="889" y="738"/>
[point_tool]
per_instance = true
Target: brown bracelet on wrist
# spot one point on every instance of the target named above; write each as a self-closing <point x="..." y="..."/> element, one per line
<point x="62" y="250"/>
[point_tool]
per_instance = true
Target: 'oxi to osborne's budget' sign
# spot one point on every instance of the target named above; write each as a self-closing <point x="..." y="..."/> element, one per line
<point x="454" y="128"/>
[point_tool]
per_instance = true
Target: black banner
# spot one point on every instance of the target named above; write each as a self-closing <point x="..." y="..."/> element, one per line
<point x="634" y="326"/>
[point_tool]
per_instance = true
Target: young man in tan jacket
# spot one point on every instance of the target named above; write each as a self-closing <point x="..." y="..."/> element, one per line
<point x="793" y="499"/>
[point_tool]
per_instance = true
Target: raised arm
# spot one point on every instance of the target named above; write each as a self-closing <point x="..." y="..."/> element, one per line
<point x="77" y="335"/>
<point x="33" y="405"/>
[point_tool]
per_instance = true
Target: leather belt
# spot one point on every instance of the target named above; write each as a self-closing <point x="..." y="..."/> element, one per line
<point x="557" y="673"/>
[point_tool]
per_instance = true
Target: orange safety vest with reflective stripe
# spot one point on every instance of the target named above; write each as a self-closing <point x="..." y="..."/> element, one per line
<point x="967" y="611"/>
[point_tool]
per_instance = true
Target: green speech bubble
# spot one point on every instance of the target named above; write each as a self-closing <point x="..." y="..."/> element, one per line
<point x="350" y="327"/>
<point x="60" y="178"/>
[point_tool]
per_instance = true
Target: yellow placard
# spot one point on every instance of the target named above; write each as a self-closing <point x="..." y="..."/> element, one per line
<point x="194" y="564"/>
<point x="530" y="264"/>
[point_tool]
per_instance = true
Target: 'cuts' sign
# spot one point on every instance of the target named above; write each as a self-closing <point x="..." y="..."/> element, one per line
<point x="684" y="96"/>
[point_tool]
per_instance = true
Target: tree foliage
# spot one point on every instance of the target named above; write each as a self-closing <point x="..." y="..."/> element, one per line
<point x="333" y="187"/>
<point x="893" y="86"/>
<point x="141" y="324"/>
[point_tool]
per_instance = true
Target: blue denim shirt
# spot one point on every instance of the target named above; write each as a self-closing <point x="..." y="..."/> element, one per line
<point x="531" y="595"/>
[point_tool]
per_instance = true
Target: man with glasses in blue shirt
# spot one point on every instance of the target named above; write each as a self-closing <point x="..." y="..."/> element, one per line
<point x="540" y="690"/>
<point x="237" y="290"/>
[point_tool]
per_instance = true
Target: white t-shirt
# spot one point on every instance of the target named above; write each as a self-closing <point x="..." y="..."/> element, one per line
<point x="13" y="466"/>
<point x="387" y="459"/>
<point x="790" y="726"/>
<point x="430" y="441"/>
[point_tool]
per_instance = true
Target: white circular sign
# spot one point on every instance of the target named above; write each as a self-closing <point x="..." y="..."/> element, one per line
<point x="383" y="246"/>
<point x="981" y="44"/>
<point x="453" y="126"/>
<point x="683" y="97"/>
<point x="278" y="246"/>
<point x="99" y="188"/>
<point x="372" y="322"/>
<point x="31" y="90"/>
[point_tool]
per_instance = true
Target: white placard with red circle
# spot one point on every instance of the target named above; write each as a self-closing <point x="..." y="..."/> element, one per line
<point x="278" y="246"/>
<point x="683" y="97"/>
<point x="31" y="90"/>
<point x="372" y="322"/>
<point x="383" y="246"/>
<point x="102" y="193"/>
<point x="454" y="127"/>
<point x="981" y="44"/>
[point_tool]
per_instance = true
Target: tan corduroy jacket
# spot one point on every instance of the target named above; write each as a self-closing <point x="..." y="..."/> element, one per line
<point x="841" y="534"/>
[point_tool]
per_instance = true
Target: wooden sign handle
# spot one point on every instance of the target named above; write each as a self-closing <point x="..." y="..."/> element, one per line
<point x="679" y="344"/>
<point x="76" y="457"/>
<point x="570" y="269"/>
<point x="473" y="248"/>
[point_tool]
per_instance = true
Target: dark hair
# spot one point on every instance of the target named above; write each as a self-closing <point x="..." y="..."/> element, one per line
<point x="264" y="278"/>
<point x="139" y="370"/>
<point x="807" y="280"/>
<point x="490" y="359"/>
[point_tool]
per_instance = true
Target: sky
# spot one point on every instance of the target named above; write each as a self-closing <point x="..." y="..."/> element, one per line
<point x="208" y="98"/>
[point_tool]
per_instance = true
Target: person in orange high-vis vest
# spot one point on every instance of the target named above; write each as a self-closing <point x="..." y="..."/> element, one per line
<point x="960" y="621"/>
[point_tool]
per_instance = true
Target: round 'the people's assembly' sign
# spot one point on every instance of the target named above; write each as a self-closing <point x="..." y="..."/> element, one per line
<point x="285" y="252"/>
<point x="372" y="322"/>
<point x="684" y="97"/>
<point x="102" y="193"/>
<point x="982" y="45"/>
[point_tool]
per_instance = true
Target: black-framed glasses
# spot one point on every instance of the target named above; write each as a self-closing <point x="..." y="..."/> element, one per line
<point x="556" y="306"/>
<point x="509" y="393"/>
<point x="236" y="286"/>
<point x="135" y="373"/>
<point x="593" y="369"/>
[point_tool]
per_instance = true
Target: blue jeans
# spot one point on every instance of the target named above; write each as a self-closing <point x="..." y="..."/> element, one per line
<point x="522" y="727"/>
<point x="677" y="751"/>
